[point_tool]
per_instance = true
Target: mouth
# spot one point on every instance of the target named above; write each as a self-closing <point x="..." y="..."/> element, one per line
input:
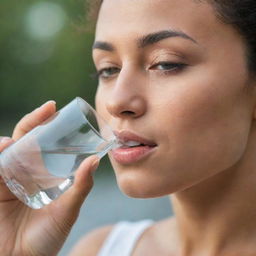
<point x="132" y="148"/>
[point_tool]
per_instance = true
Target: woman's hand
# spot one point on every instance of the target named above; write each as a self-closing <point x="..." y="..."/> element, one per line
<point x="27" y="232"/>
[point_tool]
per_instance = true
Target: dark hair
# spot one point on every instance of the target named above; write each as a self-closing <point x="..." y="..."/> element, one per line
<point x="241" y="14"/>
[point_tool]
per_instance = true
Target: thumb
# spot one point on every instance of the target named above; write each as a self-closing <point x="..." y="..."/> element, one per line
<point x="74" y="197"/>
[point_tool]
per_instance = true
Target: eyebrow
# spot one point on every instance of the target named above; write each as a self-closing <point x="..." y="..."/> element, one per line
<point x="103" y="46"/>
<point x="147" y="39"/>
<point x="161" y="35"/>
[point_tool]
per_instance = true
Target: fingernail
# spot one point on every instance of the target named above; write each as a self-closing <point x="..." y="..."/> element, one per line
<point x="95" y="164"/>
<point x="52" y="101"/>
<point x="4" y="139"/>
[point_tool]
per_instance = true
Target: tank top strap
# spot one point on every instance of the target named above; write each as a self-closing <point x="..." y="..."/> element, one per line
<point x="123" y="238"/>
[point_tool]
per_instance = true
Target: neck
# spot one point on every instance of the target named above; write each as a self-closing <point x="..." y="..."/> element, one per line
<point x="218" y="216"/>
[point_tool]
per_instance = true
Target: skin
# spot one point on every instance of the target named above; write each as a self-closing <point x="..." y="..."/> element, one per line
<point x="201" y="116"/>
<point x="40" y="232"/>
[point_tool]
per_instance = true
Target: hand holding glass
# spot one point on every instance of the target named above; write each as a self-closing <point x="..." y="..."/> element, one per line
<point x="40" y="166"/>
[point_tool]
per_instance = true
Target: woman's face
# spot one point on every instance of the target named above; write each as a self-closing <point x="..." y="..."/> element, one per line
<point x="173" y="78"/>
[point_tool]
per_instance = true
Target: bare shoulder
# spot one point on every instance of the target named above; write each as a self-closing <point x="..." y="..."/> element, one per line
<point x="160" y="239"/>
<point x="90" y="244"/>
<point x="161" y="228"/>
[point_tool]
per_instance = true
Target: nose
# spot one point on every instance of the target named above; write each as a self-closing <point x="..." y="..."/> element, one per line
<point x="127" y="98"/>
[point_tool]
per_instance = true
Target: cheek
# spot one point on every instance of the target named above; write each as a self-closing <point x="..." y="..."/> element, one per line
<point x="203" y="127"/>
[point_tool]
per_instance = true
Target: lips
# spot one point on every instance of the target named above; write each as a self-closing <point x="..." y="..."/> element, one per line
<point x="132" y="148"/>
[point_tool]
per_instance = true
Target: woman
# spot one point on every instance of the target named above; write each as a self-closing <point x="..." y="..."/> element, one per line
<point x="177" y="84"/>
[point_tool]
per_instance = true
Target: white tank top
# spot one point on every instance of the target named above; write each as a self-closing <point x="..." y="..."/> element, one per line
<point x="123" y="237"/>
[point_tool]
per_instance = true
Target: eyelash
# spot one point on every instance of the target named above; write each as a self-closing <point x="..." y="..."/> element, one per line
<point x="114" y="70"/>
<point x="173" y="67"/>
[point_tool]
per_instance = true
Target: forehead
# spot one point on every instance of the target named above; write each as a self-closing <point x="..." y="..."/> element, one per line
<point x="128" y="17"/>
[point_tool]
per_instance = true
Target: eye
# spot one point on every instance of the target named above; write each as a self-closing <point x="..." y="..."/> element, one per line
<point x="108" y="72"/>
<point x="169" y="67"/>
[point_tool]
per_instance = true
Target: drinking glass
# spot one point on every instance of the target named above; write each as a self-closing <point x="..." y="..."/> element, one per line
<point x="40" y="166"/>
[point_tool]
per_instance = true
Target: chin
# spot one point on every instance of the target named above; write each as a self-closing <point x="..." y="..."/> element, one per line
<point x="136" y="186"/>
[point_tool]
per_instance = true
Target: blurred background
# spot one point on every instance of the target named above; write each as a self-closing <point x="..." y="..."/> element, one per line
<point x="45" y="54"/>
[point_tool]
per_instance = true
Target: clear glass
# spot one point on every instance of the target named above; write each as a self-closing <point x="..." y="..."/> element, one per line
<point x="40" y="166"/>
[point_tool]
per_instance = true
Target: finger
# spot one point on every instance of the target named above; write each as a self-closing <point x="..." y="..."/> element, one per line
<point x="5" y="142"/>
<point x="5" y="193"/>
<point x="84" y="176"/>
<point x="33" y="119"/>
<point x="73" y="198"/>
